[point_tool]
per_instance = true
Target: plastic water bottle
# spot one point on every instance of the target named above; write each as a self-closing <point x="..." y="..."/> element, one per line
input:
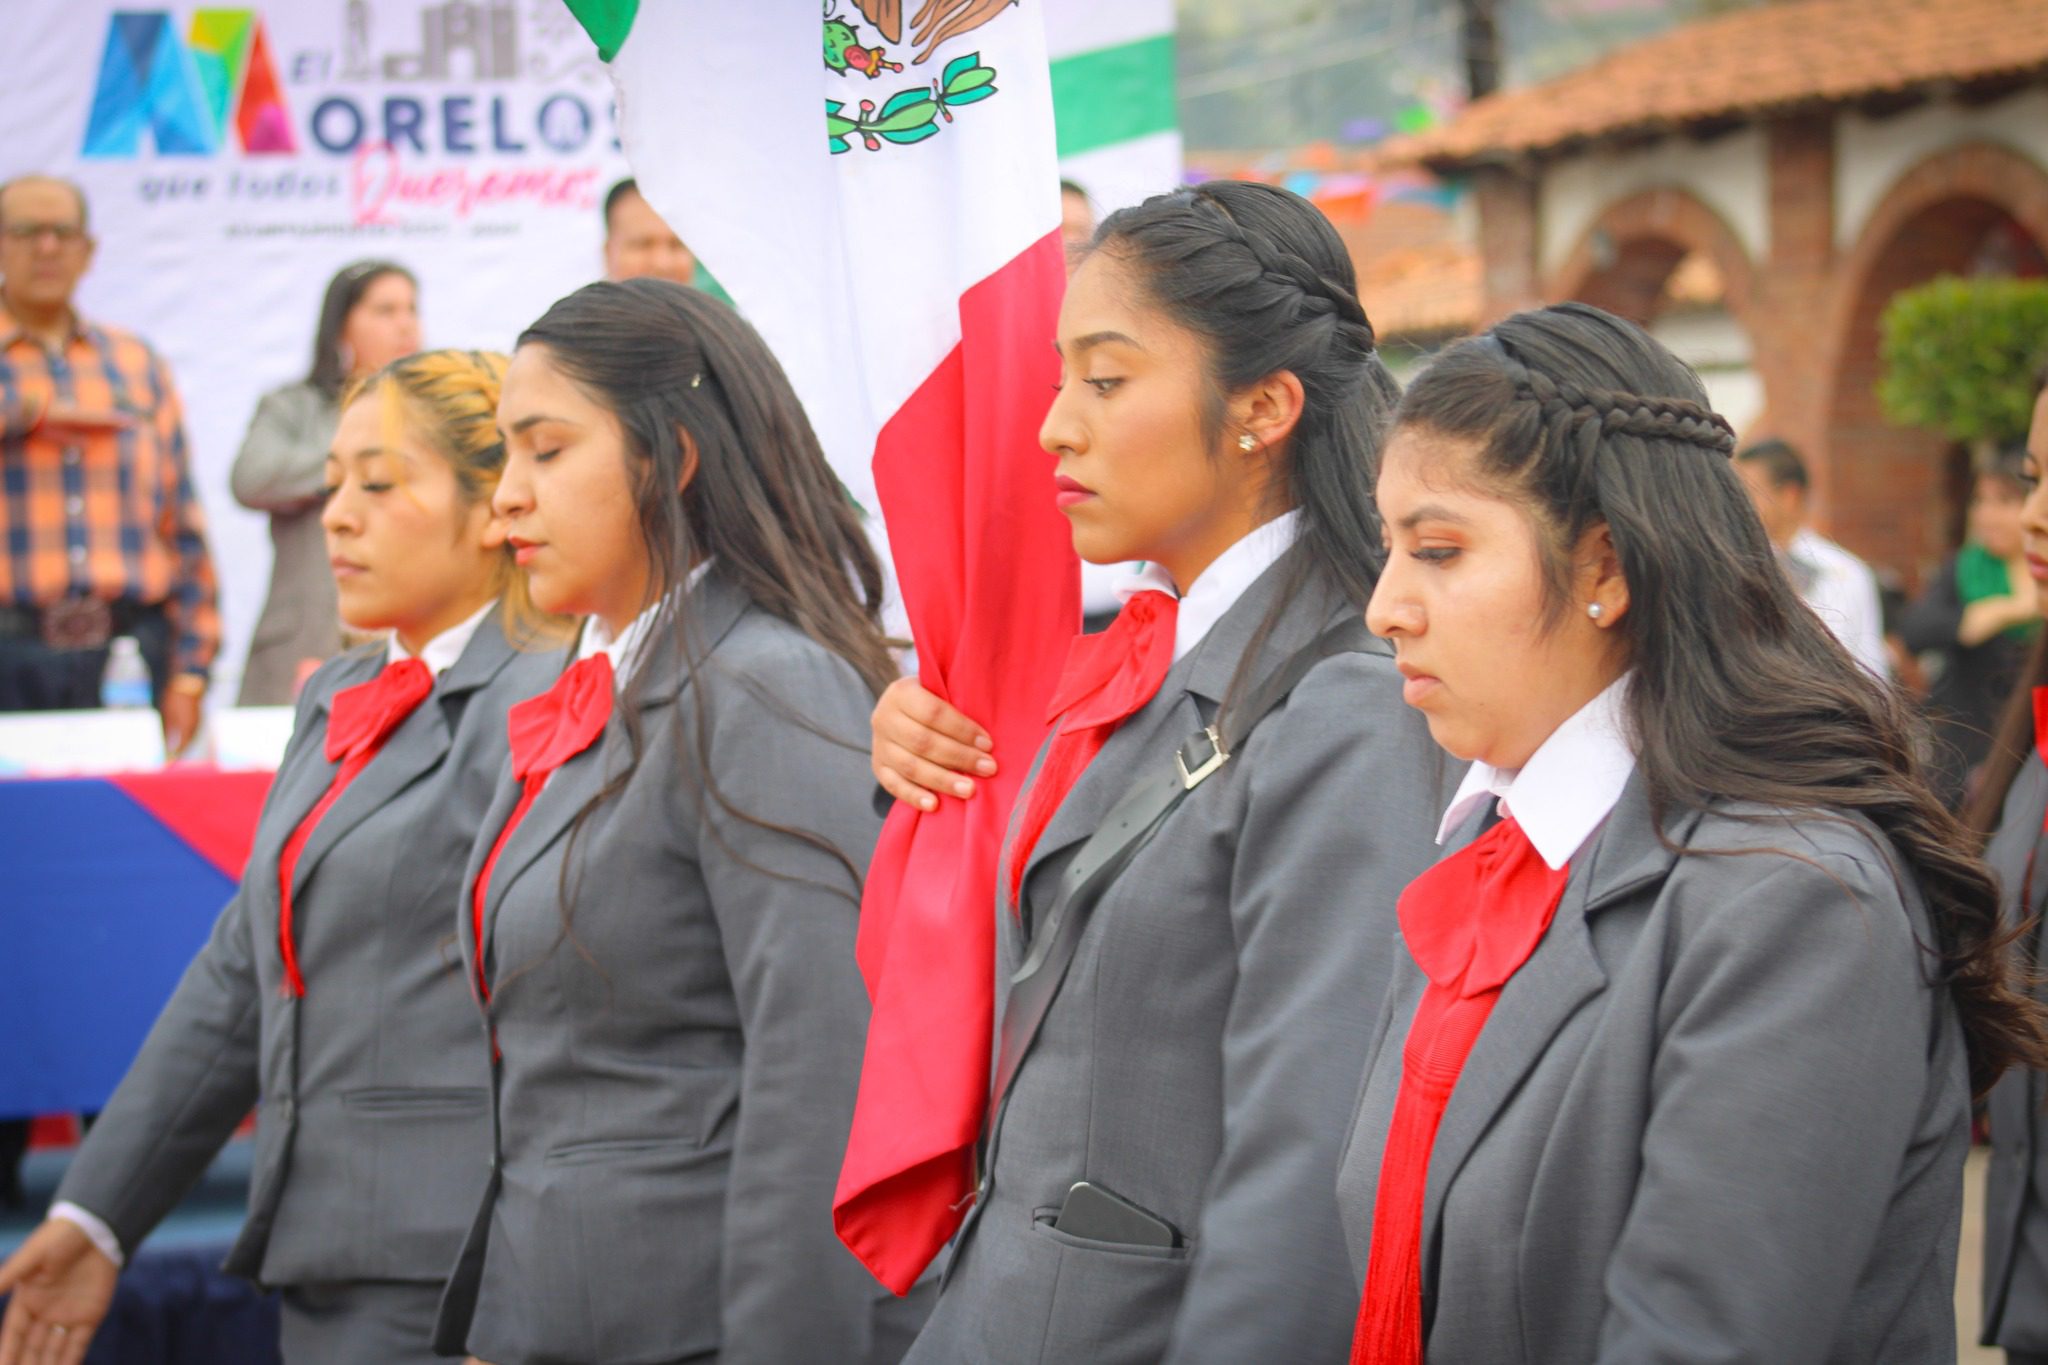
<point x="125" y="684"/>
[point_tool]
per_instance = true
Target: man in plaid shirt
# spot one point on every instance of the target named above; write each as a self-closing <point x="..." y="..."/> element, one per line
<point x="100" y="529"/>
<point x="101" y="532"/>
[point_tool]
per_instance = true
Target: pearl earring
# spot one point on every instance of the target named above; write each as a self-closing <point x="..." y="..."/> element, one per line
<point x="1593" y="610"/>
<point x="1246" y="443"/>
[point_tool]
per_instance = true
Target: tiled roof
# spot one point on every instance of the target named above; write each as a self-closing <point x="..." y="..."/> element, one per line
<point x="1419" y="274"/>
<point x="1775" y="59"/>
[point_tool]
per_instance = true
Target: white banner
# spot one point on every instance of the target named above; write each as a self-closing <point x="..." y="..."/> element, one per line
<point x="235" y="158"/>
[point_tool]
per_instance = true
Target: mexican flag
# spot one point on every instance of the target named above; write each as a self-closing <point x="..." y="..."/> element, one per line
<point x="1113" y="97"/>
<point x="878" y="192"/>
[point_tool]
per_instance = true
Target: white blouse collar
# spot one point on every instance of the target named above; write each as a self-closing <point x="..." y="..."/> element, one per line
<point x="1567" y="787"/>
<point x="625" y="648"/>
<point x="440" y="653"/>
<point x="1216" y="589"/>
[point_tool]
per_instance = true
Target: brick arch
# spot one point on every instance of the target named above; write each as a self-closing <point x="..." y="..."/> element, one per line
<point x="1651" y="232"/>
<point x="1893" y="492"/>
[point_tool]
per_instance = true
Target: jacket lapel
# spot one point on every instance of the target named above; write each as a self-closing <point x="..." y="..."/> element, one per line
<point x="1559" y="977"/>
<point x="714" y="607"/>
<point x="1150" y="738"/>
<point x="502" y="802"/>
<point x="302" y="779"/>
<point x="413" y="750"/>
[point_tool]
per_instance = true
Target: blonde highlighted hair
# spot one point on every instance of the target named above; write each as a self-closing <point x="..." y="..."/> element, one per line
<point x="448" y="399"/>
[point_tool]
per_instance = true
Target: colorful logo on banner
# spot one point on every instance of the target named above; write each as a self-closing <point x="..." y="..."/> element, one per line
<point x="447" y="108"/>
<point x="188" y="93"/>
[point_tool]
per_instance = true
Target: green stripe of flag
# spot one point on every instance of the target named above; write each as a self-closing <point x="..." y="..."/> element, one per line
<point x="1114" y="94"/>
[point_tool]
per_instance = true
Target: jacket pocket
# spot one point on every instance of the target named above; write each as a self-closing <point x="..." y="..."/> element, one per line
<point x="598" y="1150"/>
<point x="414" y="1100"/>
<point x="1041" y="1223"/>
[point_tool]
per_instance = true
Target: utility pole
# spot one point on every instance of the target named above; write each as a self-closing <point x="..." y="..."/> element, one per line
<point x="1479" y="46"/>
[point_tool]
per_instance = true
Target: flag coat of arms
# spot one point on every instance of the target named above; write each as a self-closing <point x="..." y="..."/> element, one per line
<point x="880" y="198"/>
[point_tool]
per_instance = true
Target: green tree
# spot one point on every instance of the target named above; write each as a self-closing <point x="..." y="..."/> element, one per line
<point x="1961" y="356"/>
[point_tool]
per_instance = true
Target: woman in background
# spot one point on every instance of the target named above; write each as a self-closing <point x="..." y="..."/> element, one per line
<point x="1977" y="617"/>
<point x="369" y="318"/>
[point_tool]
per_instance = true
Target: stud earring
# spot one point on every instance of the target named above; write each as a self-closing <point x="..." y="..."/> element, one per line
<point x="1247" y="443"/>
<point x="1593" y="610"/>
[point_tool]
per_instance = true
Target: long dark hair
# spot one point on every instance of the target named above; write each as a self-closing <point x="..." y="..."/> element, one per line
<point x="1739" y="694"/>
<point x="762" y="502"/>
<point x="344" y="292"/>
<point x="1261" y="276"/>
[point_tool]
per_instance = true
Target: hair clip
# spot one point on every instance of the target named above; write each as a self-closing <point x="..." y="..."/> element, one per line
<point x="696" y="379"/>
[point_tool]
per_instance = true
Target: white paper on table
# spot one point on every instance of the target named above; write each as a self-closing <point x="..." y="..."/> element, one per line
<point x="80" y="743"/>
<point x="250" y="736"/>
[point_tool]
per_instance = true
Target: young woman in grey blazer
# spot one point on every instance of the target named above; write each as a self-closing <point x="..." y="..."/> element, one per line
<point x="1678" y="1058"/>
<point x="2011" y="808"/>
<point x="330" y="989"/>
<point x="1163" y="1135"/>
<point x="659" y="916"/>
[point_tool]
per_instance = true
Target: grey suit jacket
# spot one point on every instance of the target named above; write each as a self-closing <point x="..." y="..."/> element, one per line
<point x="679" y="1063"/>
<point x="1202" y="1054"/>
<point x="279" y="470"/>
<point x="1720" y="1114"/>
<point x="2016" y="1183"/>
<point x="374" y="1113"/>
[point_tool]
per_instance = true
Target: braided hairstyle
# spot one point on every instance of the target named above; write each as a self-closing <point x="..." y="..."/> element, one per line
<point x="1739" y="694"/>
<point x="1261" y="276"/>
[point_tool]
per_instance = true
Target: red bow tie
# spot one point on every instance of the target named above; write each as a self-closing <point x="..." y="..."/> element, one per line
<point x="1107" y="678"/>
<point x="362" y="717"/>
<point x="359" y="720"/>
<point x="552" y="728"/>
<point x="1470" y="922"/>
<point x="546" y="732"/>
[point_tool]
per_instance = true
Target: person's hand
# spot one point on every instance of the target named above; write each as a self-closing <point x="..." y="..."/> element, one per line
<point x="180" y="710"/>
<point x="63" y="422"/>
<point x="923" y="748"/>
<point x="1988" y="616"/>
<point x="62" y="1287"/>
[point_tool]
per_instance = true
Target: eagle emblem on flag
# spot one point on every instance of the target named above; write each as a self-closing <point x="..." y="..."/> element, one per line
<point x="920" y="111"/>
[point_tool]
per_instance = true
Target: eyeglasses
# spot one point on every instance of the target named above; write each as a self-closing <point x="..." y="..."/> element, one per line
<point x="65" y="234"/>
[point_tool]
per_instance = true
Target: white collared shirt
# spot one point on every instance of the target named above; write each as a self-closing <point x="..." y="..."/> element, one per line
<point x="625" y="648"/>
<point x="1216" y="590"/>
<point x="440" y="653"/>
<point x="1567" y="787"/>
<point x="1843" y="594"/>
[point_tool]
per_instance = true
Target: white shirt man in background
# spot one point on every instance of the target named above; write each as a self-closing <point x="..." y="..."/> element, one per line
<point x="1835" y="583"/>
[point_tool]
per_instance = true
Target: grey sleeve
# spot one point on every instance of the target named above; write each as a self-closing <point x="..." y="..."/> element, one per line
<point x="193" y="1082"/>
<point x="1798" y="1006"/>
<point x="1345" y="791"/>
<point x="196" y="1077"/>
<point x="280" y="465"/>
<point x="788" y="914"/>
